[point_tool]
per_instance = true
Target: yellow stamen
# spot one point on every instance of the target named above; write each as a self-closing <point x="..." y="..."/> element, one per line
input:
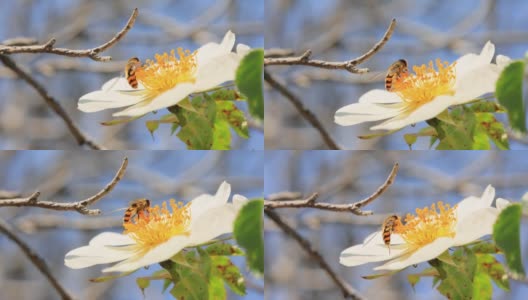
<point x="428" y="225"/>
<point x="426" y="84"/>
<point x="166" y="72"/>
<point x="159" y="225"/>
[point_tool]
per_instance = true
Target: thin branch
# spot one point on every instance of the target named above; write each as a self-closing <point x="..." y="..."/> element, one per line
<point x="35" y="259"/>
<point x="349" y="65"/>
<point x="52" y="103"/>
<point x="354" y="208"/>
<point x="307" y="114"/>
<point x="93" y="53"/>
<point x="346" y="289"/>
<point x="79" y="206"/>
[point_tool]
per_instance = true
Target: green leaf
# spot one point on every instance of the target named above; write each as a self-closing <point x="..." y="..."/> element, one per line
<point x="120" y="121"/>
<point x="482" y="288"/>
<point x="143" y="283"/>
<point x="249" y="81"/>
<point x="110" y="277"/>
<point x="509" y="93"/>
<point x="248" y="232"/>
<point x="413" y="279"/>
<point x="222" y="135"/>
<point x="377" y="134"/>
<point x="152" y="126"/>
<point x="506" y="233"/>
<point x="379" y="275"/>
<point x="458" y="134"/>
<point x="190" y="275"/>
<point x="411" y="138"/>
<point x="224" y="249"/>
<point x="489" y="265"/>
<point x="225" y="269"/>
<point x="197" y="132"/>
<point x="484" y="106"/>
<point x="229" y="112"/>
<point x="485" y="248"/>
<point x="217" y="289"/>
<point x="226" y="95"/>
<point x="456" y="281"/>
<point x="493" y="129"/>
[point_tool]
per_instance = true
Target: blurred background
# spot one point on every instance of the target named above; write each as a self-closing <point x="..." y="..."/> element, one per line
<point x="27" y="123"/>
<point x="425" y="177"/>
<point x="72" y="176"/>
<point x="339" y="30"/>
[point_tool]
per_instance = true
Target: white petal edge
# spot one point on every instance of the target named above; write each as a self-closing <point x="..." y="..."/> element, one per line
<point x="422" y="254"/>
<point x="204" y="202"/>
<point x="473" y="227"/>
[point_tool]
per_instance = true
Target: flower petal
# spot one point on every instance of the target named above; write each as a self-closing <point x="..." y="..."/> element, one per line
<point x="422" y="113"/>
<point x="366" y="253"/>
<point x="158" y="254"/>
<point x="169" y="98"/>
<point x="111" y="239"/>
<point x="379" y="96"/>
<point x="502" y="203"/>
<point x="213" y="223"/>
<point x="211" y="51"/>
<point x="100" y="100"/>
<point x="422" y="254"/>
<point x="205" y="202"/>
<point x="479" y="224"/>
<point x="356" y="113"/>
<point x="470" y="204"/>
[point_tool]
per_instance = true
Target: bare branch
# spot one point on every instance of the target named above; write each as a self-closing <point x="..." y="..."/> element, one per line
<point x="349" y="65"/>
<point x="307" y="114"/>
<point x="346" y="289"/>
<point x="354" y="208"/>
<point x="51" y="102"/>
<point x="93" y="53"/>
<point x="35" y="259"/>
<point x="79" y="206"/>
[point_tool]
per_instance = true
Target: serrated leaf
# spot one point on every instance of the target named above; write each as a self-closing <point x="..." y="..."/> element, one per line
<point x="458" y="136"/>
<point x="484" y="106"/>
<point x="482" y="288"/>
<point x="509" y="91"/>
<point x="506" y="233"/>
<point x="224" y="249"/>
<point x="485" y="248"/>
<point x="248" y="232"/>
<point x="229" y="112"/>
<point x="494" y="130"/>
<point x="226" y="95"/>
<point x="217" y="289"/>
<point x="230" y="274"/>
<point x="191" y="276"/>
<point x="456" y="281"/>
<point x="221" y="135"/>
<point x="187" y="105"/>
<point x="489" y="265"/>
<point x="197" y="132"/>
<point x="249" y="81"/>
<point x="190" y="286"/>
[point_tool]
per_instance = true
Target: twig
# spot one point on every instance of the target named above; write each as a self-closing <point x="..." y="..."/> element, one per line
<point x="346" y="289"/>
<point x="349" y="65"/>
<point x="79" y="206"/>
<point x="93" y="53"/>
<point x="52" y="103"/>
<point x="37" y="222"/>
<point x="307" y="114"/>
<point x="354" y="208"/>
<point x="35" y="259"/>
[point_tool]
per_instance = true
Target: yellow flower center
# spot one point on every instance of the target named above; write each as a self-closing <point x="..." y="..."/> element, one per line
<point x="158" y="225"/>
<point x="425" y="84"/>
<point x="428" y="225"/>
<point x="167" y="71"/>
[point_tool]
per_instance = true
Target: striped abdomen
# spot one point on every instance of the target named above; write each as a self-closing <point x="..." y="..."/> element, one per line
<point x="130" y="71"/>
<point x="137" y="208"/>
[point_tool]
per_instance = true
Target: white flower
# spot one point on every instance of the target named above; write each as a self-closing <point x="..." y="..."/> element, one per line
<point x="162" y="234"/>
<point x="428" y="234"/>
<point x="425" y="94"/>
<point x="169" y="79"/>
